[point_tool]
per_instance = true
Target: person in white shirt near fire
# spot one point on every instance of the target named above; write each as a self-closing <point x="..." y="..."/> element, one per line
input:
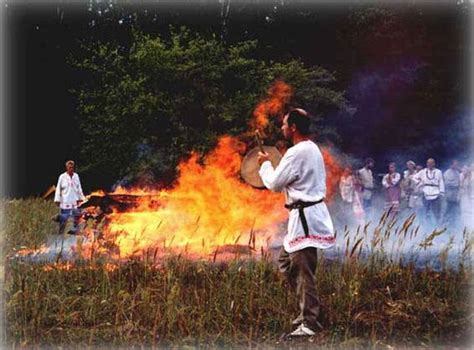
<point x="301" y="175"/>
<point x="68" y="197"/>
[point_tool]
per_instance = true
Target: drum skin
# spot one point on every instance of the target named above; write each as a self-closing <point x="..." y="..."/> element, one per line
<point x="249" y="168"/>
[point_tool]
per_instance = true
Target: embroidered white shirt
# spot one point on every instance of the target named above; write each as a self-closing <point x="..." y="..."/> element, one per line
<point x="302" y="176"/>
<point x="367" y="180"/>
<point x="432" y="182"/>
<point x="68" y="191"/>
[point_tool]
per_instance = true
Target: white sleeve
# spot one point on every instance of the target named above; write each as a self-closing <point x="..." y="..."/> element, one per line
<point x="441" y="183"/>
<point x="57" y="193"/>
<point x="283" y="175"/>
<point x="417" y="178"/>
<point x="385" y="182"/>
<point x="80" y="193"/>
<point x="396" y="179"/>
<point x="341" y="184"/>
<point x="446" y="178"/>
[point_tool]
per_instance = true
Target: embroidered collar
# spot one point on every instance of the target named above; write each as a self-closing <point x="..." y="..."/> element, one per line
<point x="432" y="176"/>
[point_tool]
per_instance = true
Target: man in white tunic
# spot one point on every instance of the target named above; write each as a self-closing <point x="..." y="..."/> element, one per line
<point x="68" y="196"/>
<point x="452" y="181"/>
<point x="431" y="181"/>
<point x="301" y="175"/>
<point x="367" y="179"/>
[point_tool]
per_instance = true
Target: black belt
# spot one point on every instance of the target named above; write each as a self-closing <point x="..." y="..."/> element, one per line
<point x="300" y="205"/>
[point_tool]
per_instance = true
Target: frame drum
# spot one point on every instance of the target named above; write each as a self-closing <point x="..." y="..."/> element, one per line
<point x="249" y="168"/>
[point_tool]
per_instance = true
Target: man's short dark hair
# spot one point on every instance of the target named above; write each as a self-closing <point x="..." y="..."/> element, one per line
<point x="301" y="121"/>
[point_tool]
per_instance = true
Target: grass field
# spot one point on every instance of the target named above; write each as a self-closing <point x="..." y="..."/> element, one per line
<point x="373" y="301"/>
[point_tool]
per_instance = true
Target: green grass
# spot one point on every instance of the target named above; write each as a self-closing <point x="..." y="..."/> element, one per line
<point x="370" y="302"/>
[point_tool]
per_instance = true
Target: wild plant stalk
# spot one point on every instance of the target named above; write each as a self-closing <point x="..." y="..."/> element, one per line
<point x="368" y="296"/>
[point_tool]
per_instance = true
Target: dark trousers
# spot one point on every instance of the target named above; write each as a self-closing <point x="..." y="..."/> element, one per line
<point x="452" y="213"/>
<point x="432" y="208"/>
<point x="367" y="204"/>
<point x="299" y="268"/>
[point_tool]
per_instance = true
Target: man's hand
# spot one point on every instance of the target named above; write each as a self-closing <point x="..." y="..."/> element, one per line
<point x="58" y="203"/>
<point x="262" y="157"/>
<point x="79" y="202"/>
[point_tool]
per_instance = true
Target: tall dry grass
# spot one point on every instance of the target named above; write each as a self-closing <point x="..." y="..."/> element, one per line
<point x="369" y="296"/>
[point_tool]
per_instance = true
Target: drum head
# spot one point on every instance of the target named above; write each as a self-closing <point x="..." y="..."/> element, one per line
<point x="249" y="168"/>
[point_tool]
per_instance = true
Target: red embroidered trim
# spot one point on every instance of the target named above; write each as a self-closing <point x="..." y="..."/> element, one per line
<point x="317" y="238"/>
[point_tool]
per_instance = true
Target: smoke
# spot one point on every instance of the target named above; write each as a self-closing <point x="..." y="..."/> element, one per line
<point x="375" y="90"/>
<point x="379" y="92"/>
<point x="397" y="117"/>
<point x="57" y="248"/>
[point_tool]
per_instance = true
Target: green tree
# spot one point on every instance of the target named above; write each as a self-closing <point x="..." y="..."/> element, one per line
<point x="143" y="108"/>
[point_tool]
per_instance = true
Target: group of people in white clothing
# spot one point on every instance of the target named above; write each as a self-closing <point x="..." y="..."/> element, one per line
<point x="418" y="189"/>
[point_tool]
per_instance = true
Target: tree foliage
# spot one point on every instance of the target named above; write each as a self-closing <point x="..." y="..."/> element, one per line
<point x="144" y="107"/>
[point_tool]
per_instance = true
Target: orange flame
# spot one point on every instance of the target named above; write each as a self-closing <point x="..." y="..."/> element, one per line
<point x="279" y="94"/>
<point x="334" y="170"/>
<point x="209" y="207"/>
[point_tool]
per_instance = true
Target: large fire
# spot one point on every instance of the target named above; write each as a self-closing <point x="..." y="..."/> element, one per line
<point x="209" y="207"/>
